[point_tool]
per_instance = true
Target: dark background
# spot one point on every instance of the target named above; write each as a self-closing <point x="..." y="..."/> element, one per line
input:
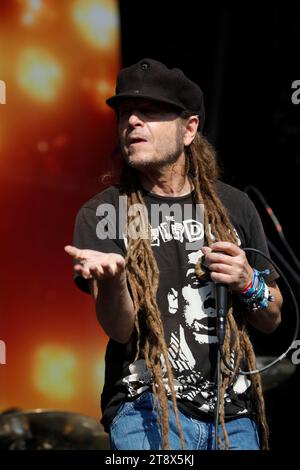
<point x="245" y="59"/>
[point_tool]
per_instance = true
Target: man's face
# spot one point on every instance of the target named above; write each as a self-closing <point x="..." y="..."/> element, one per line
<point x="150" y="133"/>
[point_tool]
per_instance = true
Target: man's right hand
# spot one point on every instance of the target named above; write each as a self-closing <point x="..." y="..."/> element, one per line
<point x="95" y="264"/>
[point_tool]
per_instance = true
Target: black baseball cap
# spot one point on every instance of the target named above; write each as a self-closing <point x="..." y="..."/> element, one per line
<point x="152" y="80"/>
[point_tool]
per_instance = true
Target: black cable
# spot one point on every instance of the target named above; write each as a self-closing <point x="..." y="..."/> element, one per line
<point x="283" y="261"/>
<point x="294" y="301"/>
<point x="296" y="331"/>
<point x="251" y="372"/>
<point x="275" y="221"/>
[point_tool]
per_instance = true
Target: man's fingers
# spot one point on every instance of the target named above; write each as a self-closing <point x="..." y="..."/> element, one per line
<point x="94" y="256"/>
<point x="82" y="255"/>
<point x="96" y="271"/>
<point x="220" y="268"/>
<point x="110" y="269"/>
<point x="82" y="271"/>
<point x="96" y="264"/>
<point x="227" y="247"/>
<point x="120" y="262"/>
<point x="113" y="263"/>
<point x="74" y="252"/>
<point x="77" y="267"/>
<point x="219" y="257"/>
<point x="220" y="277"/>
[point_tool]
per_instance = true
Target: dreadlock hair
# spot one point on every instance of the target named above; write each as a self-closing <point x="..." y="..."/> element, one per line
<point x="143" y="277"/>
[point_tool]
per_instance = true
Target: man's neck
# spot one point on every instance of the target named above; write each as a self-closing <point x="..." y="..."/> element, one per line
<point x="171" y="181"/>
<point x="167" y="188"/>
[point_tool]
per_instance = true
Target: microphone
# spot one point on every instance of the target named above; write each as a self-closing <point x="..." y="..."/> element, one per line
<point x="222" y="308"/>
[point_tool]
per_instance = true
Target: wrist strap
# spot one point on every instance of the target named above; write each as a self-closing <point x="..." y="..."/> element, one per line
<point x="247" y="287"/>
<point x="257" y="295"/>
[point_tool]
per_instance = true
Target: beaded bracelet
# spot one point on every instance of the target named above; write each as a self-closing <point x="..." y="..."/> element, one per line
<point x="256" y="295"/>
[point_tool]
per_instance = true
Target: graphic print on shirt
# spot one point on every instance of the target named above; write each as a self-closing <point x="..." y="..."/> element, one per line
<point x="191" y="333"/>
<point x="190" y="229"/>
<point x="195" y="307"/>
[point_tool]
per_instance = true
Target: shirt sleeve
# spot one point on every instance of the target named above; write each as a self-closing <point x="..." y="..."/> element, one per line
<point x="256" y="238"/>
<point x="86" y="236"/>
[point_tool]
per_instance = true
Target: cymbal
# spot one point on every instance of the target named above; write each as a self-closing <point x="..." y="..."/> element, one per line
<point x="277" y="374"/>
<point x="51" y="429"/>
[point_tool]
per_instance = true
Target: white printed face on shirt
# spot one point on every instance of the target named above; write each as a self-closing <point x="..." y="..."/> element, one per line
<point x="199" y="308"/>
<point x="199" y="304"/>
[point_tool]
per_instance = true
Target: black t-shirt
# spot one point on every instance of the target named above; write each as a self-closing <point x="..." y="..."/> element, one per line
<point x="187" y="304"/>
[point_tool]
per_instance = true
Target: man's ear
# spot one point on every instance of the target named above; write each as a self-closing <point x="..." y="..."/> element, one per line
<point x="191" y="127"/>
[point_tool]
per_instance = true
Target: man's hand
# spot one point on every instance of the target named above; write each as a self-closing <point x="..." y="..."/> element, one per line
<point x="228" y="264"/>
<point x="95" y="264"/>
<point x="108" y="285"/>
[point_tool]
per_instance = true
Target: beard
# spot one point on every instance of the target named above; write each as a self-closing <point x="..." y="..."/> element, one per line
<point x="165" y="160"/>
<point x="171" y="151"/>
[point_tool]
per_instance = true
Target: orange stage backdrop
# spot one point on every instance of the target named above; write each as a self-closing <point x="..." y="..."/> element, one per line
<point x="58" y="61"/>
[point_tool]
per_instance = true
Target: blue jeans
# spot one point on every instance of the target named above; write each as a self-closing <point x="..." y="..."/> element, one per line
<point x="135" y="428"/>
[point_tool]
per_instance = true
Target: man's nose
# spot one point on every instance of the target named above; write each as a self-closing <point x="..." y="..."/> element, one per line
<point x="135" y="119"/>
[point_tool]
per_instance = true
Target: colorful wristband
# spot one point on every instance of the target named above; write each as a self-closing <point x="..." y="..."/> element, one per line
<point x="247" y="287"/>
<point x="257" y="295"/>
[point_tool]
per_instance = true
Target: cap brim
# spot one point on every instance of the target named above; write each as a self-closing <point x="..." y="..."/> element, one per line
<point x="114" y="101"/>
